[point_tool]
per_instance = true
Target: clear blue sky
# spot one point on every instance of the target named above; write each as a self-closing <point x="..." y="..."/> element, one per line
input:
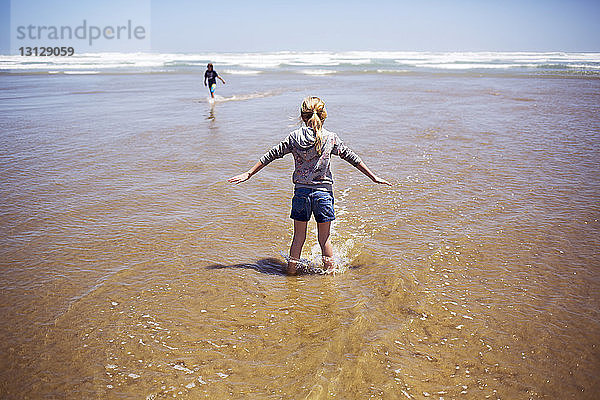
<point x="269" y="25"/>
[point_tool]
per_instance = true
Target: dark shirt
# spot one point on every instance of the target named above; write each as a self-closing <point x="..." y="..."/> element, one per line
<point x="211" y="76"/>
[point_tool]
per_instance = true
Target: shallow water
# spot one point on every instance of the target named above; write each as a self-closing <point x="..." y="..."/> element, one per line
<point x="131" y="269"/>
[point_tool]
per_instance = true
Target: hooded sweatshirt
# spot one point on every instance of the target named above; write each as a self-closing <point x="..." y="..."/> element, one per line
<point x="311" y="168"/>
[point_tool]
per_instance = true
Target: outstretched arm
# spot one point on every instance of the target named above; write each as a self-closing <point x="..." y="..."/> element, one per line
<point x="348" y="155"/>
<point x="221" y="79"/>
<point x="362" y="167"/>
<point x="276" y="152"/>
<point x="246" y="175"/>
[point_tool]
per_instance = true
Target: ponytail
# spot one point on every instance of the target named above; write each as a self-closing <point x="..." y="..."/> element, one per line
<point x="313" y="113"/>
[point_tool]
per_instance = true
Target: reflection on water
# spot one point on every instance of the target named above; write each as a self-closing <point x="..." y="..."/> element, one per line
<point x="211" y="112"/>
<point x="132" y="269"/>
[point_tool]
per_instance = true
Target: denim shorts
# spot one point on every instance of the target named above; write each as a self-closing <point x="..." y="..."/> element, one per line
<point x="308" y="201"/>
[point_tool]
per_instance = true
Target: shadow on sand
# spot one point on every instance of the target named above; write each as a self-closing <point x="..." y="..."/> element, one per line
<point x="271" y="266"/>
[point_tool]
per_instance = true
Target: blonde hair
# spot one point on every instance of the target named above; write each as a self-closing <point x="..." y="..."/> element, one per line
<point x="313" y="113"/>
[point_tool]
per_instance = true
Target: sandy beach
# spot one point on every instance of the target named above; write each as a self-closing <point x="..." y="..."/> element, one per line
<point x="132" y="269"/>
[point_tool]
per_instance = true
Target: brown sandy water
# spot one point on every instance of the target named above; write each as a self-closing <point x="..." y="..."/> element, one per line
<point x="131" y="269"/>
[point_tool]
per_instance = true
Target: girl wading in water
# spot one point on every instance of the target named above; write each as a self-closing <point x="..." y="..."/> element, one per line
<point x="312" y="147"/>
<point x="212" y="76"/>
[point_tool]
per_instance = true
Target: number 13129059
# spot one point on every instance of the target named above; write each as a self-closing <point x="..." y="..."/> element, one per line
<point x="47" y="51"/>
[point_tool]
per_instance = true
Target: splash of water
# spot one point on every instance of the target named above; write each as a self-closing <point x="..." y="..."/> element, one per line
<point x="314" y="264"/>
<point x="241" y="97"/>
<point x="343" y="247"/>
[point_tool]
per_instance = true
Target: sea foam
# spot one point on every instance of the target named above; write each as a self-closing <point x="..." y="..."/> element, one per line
<point x="312" y="63"/>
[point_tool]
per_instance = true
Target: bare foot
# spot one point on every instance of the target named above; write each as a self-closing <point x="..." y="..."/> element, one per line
<point x="328" y="264"/>
<point x="292" y="266"/>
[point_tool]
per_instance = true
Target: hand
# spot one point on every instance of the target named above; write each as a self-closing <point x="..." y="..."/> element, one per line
<point x="377" y="179"/>
<point x="239" y="178"/>
<point x="204" y="83"/>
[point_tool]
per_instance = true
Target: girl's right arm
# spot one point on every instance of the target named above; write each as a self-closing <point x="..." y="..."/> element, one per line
<point x="246" y="175"/>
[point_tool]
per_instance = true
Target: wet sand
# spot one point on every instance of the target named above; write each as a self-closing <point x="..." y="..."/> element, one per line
<point x="131" y="269"/>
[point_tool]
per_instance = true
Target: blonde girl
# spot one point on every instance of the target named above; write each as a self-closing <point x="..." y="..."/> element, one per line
<point x="312" y="147"/>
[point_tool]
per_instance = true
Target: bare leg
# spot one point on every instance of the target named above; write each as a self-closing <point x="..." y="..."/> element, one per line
<point x="323" y="229"/>
<point x="296" y="247"/>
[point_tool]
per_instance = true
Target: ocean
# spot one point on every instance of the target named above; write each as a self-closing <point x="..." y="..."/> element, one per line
<point x="132" y="269"/>
<point x="313" y="63"/>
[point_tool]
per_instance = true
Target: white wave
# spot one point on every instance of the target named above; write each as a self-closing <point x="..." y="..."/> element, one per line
<point x="585" y="66"/>
<point x="81" y="72"/>
<point x="312" y="63"/>
<point x="391" y="71"/>
<point x="317" y="71"/>
<point x="467" y="66"/>
<point x="82" y="61"/>
<point x="241" y="72"/>
<point x="520" y="58"/>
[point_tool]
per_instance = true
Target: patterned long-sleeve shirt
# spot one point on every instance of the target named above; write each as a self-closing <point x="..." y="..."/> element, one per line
<point x="311" y="168"/>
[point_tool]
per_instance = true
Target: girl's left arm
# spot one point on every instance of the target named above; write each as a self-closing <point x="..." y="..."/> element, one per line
<point x="345" y="153"/>
<point x="246" y="175"/>
<point x="362" y="167"/>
